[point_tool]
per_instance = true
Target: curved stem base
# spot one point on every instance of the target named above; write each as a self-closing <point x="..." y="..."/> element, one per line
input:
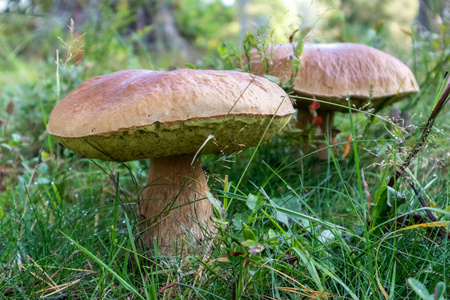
<point x="174" y="210"/>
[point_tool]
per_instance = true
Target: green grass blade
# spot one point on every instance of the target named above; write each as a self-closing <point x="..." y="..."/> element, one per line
<point x="105" y="266"/>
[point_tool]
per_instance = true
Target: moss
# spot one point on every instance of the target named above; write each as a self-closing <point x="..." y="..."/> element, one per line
<point x="158" y="140"/>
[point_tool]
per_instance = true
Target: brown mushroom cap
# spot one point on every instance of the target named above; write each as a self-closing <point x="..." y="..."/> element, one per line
<point x="136" y="114"/>
<point x="333" y="71"/>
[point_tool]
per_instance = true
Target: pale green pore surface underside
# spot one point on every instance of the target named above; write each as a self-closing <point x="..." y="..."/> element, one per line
<point x="187" y="137"/>
<point x="355" y="101"/>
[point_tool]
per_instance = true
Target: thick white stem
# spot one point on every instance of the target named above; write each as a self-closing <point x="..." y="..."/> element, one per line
<point x="174" y="209"/>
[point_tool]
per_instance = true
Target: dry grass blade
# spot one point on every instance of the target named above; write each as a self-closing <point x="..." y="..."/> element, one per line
<point x="34" y="275"/>
<point x="45" y="273"/>
<point x="400" y="172"/>
<point x="316" y="294"/>
<point x="65" y="262"/>
<point x="380" y="286"/>
<point x="60" y="288"/>
<point x="53" y="286"/>
<point x="427" y="225"/>
<point x="440" y="104"/>
<point x="441" y="232"/>
<point x="267" y="297"/>
<point x="167" y="286"/>
<point x="321" y="295"/>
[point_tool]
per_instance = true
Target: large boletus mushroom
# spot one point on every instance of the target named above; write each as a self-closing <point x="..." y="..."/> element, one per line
<point x="331" y="72"/>
<point x="169" y="117"/>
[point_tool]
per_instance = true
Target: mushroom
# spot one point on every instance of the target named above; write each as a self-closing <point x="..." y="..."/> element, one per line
<point x="170" y="117"/>
<point x="331" y="72"/>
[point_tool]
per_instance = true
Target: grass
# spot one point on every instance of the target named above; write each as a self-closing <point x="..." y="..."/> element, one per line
<point x="293" y="227"/>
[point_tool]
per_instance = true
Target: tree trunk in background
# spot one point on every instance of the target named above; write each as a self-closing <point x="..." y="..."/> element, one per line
<point x="69" y="9"/>
<point x="164" y="38"/>
<point x="424" y="16"/>
<point x="243" y="19"/>
<point x="168" y="38"/>
<point x="431" y="14"/>
<point x="140" y="19"/>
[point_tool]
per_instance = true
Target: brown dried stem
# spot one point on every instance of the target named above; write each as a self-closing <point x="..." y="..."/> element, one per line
<point x="425" y="133"/>
<point x="400" y="172"/>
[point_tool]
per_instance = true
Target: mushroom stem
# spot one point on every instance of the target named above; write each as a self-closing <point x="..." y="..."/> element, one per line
<point x="305" y="123"/>
<point x="174" y="208"/>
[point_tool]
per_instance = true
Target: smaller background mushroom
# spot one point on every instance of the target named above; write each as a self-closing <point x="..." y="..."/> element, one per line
<point x="369" y="77"/>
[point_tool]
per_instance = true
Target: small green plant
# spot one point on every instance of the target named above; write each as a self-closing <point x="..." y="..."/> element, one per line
<point x="421" y="291"/>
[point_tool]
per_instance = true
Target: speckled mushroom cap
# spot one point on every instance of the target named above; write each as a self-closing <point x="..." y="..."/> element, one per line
<point x="333" y="71"/>
<point x="136" y="114"/>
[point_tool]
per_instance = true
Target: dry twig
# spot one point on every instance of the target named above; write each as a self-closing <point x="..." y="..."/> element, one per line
<point x="400" y="172"/>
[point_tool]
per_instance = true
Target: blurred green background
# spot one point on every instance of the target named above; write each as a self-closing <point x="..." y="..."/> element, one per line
<point x="168" y="33"/>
